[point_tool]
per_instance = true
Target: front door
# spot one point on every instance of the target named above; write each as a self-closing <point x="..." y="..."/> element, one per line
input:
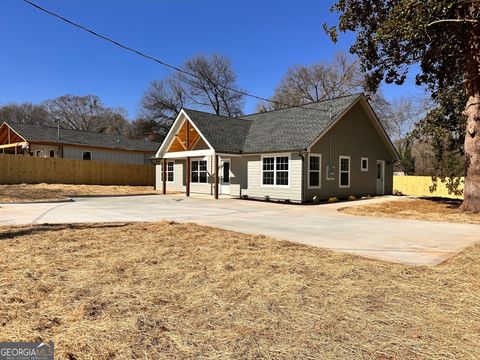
<point x="380" y="177"/>
<point x="225" y="177"/>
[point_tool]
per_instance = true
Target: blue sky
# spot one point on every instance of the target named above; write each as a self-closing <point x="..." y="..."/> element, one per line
<point x="42" y="58"/>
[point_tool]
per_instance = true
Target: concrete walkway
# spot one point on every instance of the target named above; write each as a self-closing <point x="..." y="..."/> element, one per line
<point x="406" y="241"/>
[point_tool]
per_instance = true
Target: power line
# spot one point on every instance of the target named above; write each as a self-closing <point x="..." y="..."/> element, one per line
<point x="152" y="58"/>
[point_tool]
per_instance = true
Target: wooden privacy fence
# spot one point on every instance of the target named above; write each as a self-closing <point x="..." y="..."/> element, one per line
<point x="27" y="169"/>
<point x="420" y="186"/>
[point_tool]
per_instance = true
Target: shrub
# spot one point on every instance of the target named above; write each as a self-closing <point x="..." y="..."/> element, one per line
<point x="287" y="201"/>
<point x="397" y="193"/>
<point x="244" y="197"/>
<point x="333" y="199"/>
<point x="266" y="198"/>
<point x="352" y="198"/>
<point x="316" y="199"/>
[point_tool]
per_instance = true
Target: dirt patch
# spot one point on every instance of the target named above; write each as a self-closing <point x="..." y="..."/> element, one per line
<point x="168" y="290"/>
<point x="433" y="209"/>
<point x="38" y="192"/>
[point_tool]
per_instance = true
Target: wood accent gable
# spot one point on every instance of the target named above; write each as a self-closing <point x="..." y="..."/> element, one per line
<point x="9" y="136"/>
<point x="185" y="139"/>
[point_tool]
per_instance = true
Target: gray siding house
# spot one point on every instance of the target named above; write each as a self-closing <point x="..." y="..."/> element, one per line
<point x="52" y="142"/>
<point x="335" y="147"/>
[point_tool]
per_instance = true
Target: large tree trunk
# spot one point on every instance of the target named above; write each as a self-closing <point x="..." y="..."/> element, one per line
<point x="471" y="192"/>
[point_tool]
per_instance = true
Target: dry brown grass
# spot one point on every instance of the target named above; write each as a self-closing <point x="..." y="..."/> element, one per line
<point x="433" y="209"/>
<point x="36" y="192"/>
<point x="168" y="290"/>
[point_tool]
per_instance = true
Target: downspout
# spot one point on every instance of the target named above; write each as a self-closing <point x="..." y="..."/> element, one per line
<point x="303" y="155"/>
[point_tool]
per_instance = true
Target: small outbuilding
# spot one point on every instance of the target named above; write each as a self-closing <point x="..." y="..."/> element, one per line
<point x="336" y="147"/>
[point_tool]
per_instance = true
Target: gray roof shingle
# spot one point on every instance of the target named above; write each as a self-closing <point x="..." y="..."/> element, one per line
<point x="287" y="129"/>
<point x="48" y="134"/>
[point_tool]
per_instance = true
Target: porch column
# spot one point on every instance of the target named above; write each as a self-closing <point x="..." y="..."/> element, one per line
<point x="164" y="176"/>
<point x="215" y="177"/>
<point x="187" y="190"/>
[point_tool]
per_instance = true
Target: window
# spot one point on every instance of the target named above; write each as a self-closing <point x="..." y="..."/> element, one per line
<point x="38" y="153"/>
<point x="170" y="171"/>
<point x="226" y="172"/>
<point x="199" y="171"/>
<point x="364" y="164"/>
<point x="275" y="170"/>
<point x="344" y="168"/>
<point x="87" y="155"/>
<point x="268" y="166"/>
<point x="314" y="173"/>
<point x="52" y="153"/>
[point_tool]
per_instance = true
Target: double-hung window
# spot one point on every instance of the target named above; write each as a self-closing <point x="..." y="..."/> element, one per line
<point x="314" y="172"/>
<point x="344" y="169"/>
<point x="199" y="171"/>
<point x="275" y="170"/>
<point x="170" y="169"/>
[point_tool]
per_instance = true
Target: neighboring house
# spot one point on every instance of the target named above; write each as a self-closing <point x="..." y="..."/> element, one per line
<point x="329" y="148"/>
<point x="45" y="141"/>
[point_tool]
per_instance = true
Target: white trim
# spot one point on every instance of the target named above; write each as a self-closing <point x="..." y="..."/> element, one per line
<point x="361" y="164"/>
<point x="319" y="171"/>
<point x="87" y="151"/>
<point x="185" y="154"/>
<point x="208" y="173"/>
<point x="340" y="158"/>
<point x="173" y="171"/>
<point x="177" y="125"/>
<point x="275" y="155"/>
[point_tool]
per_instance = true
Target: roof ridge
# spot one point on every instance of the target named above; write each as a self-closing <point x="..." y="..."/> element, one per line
<point x="222" y="116"/>
<point x="302" y="105"/>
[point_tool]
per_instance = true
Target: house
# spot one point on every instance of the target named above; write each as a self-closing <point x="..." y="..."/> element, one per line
<point x="335" y="147"/>
<point x="54" y="142"/>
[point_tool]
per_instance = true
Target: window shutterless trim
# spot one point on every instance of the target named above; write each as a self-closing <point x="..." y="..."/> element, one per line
<point x="361" y="163"/>
<point x="319" y="186"/>
<point x="340" y="171"/>
<point x="172" y="171"/>
<point x="275" y="156"/>
<point x="198" y="170"/>
<point x="87" y="152"/>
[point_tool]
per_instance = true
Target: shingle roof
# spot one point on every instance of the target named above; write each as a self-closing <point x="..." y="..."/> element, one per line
<point x="292" y="128"/>
<point x="48" y="134"/>
<point x="225" y="134"/>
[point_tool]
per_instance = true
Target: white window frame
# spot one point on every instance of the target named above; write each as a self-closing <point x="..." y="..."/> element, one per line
<point x="50" y="150"/>
<point x="288" y="155"/>
<point x="167" y="171"/>
<point x="319" y="186"/>
<point x="361" y="164"/>
<point x="198" y="171"/>
<point x="341" y="157"/>
<point x="91" y="155"/>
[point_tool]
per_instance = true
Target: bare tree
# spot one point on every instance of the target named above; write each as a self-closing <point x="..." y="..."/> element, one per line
<point x="85" y="113"/>
<point x="25" y="113"/>
<point x="213" y="84"/>
<point x="325" y="80"/>
<point x="212" y="87"/>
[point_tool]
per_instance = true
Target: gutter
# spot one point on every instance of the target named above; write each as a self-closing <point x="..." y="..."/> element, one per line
<point x="303" y="155"/>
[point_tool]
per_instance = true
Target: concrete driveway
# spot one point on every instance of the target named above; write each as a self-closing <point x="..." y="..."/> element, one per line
<point x="406" y="241"/>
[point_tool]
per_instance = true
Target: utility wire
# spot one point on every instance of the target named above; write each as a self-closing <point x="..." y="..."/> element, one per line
<point x="163" y="63"/>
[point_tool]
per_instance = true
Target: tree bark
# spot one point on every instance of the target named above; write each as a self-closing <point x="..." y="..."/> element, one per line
<point x="471" y="191"/>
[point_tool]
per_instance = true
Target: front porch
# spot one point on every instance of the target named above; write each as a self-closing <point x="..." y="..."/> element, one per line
<point x="200" y="172"/>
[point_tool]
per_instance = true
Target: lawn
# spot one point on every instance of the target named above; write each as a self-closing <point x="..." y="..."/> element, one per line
<point x="169" y="290"/>
<point x="433" y="209"/>
<point x="37" y="192"/>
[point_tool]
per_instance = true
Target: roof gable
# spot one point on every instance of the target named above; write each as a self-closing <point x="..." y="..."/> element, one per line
<point x="290" y="129"/>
